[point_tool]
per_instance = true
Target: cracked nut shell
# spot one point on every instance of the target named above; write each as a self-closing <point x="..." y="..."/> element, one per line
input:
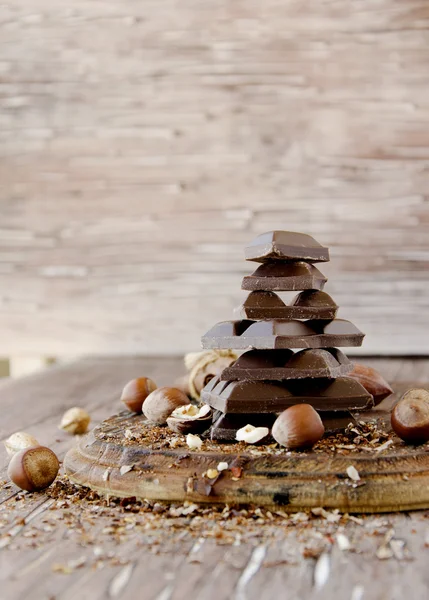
<point x="190" y="419"/>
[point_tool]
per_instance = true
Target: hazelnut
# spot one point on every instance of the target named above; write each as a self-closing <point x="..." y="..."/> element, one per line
<point x="136" y="391"/>
<point x="75" y="421"/>
<point x="251" y="434"/>
<point x="160" y="403"/>
<point x="410" y="417"/>
<point x="372" y="381"/>
<point x="190" y="419"/>
<point x="19" y="441"/>
<point x="298" y="427"/>
<point x="33" y="469"/>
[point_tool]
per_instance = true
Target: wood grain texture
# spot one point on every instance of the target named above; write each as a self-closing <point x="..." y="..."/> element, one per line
<point x="202" y="568"/>
<point x="142" y="145"/>
<point x="397" y="480"/>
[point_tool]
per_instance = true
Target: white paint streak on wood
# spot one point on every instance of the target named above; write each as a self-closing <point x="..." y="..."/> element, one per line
<point x="37" y="563"/>
<point x="194" y="552"/>
<point x="322" y="570"/>
<point x="250" y="571"/>
<point x="120" y="581"/>
<point x="141" y="147"/>
<point x="166" y="593"/>
<point x="20" y="366"/>
<point x="357" y="592"/>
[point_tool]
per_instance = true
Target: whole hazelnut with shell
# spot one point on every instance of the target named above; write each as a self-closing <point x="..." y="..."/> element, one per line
<point x="75" y="421"/>
<point x="160" y="403"/>
<point x="33" y="469"/>
<point x="298" y="427"/>
<point x="372" y="381"/>
<point x="136" y="391"/>
<point x="410" y="417"/>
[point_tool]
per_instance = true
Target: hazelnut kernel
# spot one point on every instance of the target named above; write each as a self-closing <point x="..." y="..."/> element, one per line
<point x="410" y="417"/>
<point x="33" y="469"/>
<point x="160" y="403"/>
<point x="251" y="435"/>
<point x="19" y="441"/>
<point x="298" y="427"/>
<point x="136" y="391"/>
<point x="194" y="442"/>
<point x="75" y="421"/>
<point x="190" y="412"/>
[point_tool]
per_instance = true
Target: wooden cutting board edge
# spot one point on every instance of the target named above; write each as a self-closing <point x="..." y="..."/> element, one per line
<point x="298" y="481"/>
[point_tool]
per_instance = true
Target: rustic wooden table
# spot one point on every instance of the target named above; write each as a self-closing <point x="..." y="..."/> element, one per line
<point x="70" y="544"/>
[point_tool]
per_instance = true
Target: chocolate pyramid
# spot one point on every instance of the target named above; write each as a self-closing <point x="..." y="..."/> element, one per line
<point x="270" y="377"/>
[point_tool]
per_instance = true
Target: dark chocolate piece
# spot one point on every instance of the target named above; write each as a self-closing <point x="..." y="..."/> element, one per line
<point x="314" y="304"/>
<point x="284" y="277"/>
<point x="313" y="363"/>
<point x="310" y="304"/>
<point x="212" y="384"/>
<point x="258" y="365"/>
<point x="232" y="328"/>
<point x="274" y="334"/>
<point x="263" y="305"/>
<point x="337" y="422"/>
<point x="286" y="245"/>
<point x="226" y="426"/>
<point x="277" y="365"/>
<point x="248" y="397"/>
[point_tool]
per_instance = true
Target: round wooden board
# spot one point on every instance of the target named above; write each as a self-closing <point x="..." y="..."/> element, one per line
<point x="392" y="481"/>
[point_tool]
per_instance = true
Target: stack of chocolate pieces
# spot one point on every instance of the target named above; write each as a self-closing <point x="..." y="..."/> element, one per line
<point x="270" y="377"/>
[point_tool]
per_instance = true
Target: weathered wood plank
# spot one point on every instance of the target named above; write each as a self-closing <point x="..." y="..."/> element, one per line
<point x="142" y="145"/>
<point x="269" y="562"/>
<point x="21" y="366"/>
<point x="93" y="383"/>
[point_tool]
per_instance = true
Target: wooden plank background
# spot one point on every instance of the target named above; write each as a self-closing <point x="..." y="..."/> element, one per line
<point x="144" y="143"/>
